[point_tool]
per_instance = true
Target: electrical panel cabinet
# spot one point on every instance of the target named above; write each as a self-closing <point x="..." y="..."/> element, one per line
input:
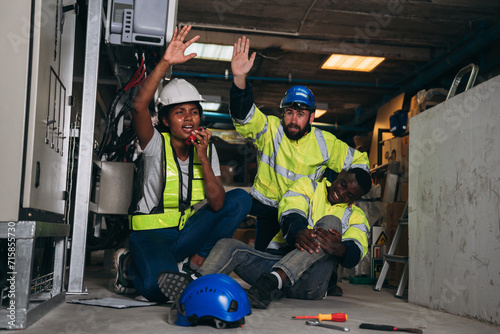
<point x="148" y="22"/>
<point x="37" y="48"/>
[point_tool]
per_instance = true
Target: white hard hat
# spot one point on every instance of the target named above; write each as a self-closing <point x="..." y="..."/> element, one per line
<point x="178" y="91"/>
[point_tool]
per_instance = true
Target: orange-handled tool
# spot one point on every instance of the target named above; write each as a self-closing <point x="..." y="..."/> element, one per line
<point x="340" y="317"/>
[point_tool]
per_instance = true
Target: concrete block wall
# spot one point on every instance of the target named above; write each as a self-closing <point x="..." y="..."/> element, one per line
<point x="454" y="205"/>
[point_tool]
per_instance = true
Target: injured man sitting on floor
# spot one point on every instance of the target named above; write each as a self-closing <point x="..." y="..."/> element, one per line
<point x="320" y="228"/>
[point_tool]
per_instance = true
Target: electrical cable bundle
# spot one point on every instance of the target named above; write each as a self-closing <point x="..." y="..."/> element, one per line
<point x="120" y="147"/>
<point x="139" y="75"/>
<point x="111" y="144"/>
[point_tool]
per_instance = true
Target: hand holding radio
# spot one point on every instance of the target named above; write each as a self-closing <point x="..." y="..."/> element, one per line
<point x="192" y="138"/>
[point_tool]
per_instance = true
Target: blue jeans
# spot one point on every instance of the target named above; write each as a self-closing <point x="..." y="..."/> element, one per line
<point x="309" y="274"/>
<point x="154" y="251"/>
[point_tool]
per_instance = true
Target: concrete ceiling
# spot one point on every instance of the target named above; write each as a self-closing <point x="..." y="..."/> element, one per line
<point x="425" y="43"/>
<point x="293" y="38"/>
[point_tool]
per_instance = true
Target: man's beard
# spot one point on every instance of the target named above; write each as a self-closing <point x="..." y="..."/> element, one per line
<point x="299" y="134"/>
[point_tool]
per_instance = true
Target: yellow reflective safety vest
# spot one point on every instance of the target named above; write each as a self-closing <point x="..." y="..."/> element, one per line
<point x="282" y="161"/>
<point x="310" y="199"/>
<point x="176" y="211"/>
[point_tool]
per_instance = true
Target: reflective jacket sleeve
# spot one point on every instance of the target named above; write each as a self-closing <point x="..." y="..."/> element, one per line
<point x="291" y="224"/>
<point x="352" y="255"/>
<point x="293" y="209"/>
<point x="357" y="232"/>
<point x="240" y="101"/>
<point x="343" y="157"/>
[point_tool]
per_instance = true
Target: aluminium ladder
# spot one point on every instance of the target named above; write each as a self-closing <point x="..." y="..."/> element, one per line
<point x="391" y="257"/>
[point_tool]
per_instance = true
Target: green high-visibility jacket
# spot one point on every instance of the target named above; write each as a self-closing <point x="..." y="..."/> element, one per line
<point x="310" y="199"/>
<point x="282" y="161"/>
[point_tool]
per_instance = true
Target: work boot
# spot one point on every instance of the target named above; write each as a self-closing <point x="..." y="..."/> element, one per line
<point x="123" y="284"/>
<point x="172" y="283"/>
<point x="264" y="291"/>
<point x="335" y="291"/>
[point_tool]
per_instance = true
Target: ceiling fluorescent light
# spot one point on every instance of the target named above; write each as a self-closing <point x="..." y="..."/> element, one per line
<point x="212" y="102"/>
<point x="211" y="51"/>
<point x="351" y="63"/>
<point x="321" y="109"/>
<point x="210" y="106"/>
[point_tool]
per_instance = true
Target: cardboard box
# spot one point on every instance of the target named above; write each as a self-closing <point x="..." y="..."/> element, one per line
<point x="403" y="192"/>
<point x="247" y="235"/>
<point x="414" y="107"/>
<point x="393" y="212"/>
<point x="395" y="149"/>
<point x="426" y="99"/>
<point x="414" y="102"/>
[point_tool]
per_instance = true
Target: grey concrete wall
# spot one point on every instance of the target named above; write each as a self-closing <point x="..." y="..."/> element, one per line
<point x="454" y="204"/>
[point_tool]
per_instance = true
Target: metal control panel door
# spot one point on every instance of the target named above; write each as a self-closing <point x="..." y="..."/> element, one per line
<point x="39" y="44"/>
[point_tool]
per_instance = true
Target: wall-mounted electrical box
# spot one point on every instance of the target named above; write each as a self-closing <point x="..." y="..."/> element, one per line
<point x="37" y="46"/>
<point x="148" y="22"/>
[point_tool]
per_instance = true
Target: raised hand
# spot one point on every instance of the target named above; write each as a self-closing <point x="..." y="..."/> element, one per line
<point x="175" y="50"/>
<point x="240" y="62"/>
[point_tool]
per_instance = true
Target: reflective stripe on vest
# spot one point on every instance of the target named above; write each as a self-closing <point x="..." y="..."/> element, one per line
<point x="269" y="168"/>
<point x="282" y="161"/>
<point x="173" y="215"/>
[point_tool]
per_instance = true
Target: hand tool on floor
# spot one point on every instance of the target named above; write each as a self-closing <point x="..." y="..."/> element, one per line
<point x="390" y="328"/>
<point x="320" y="324"/>
<point x="340" y="317"/>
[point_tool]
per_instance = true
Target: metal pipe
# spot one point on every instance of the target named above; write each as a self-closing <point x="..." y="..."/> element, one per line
<point x="301" y="25"/>
<point x="225" y="118"/>
<point x="335" y="127"/>
<point x="226" y="28"/>
<point x="481" y="28"/>
<point x="310" y="81"/>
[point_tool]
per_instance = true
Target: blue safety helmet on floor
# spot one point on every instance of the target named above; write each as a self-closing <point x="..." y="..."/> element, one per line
<point x="301" y="96"/>
<point x="213" y="298"/>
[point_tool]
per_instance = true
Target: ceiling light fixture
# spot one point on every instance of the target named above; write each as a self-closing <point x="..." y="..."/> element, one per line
<point x="351" y="63"/>
<point x="211" y="51"/>
<point x="211" y="103"/>
<point x="210" y="106"/>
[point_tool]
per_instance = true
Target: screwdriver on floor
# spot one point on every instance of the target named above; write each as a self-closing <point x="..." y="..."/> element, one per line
<point x="340" y="317"/>
<point x="390" y="328"/>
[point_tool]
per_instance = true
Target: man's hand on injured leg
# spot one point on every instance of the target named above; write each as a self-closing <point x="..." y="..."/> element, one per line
<point x="331" y="242"/>
<point x="305" y="241"/>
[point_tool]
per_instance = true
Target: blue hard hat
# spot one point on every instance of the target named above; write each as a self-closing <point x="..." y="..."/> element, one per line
<point x="299" y="95"/>
<point x="215" y="296"/>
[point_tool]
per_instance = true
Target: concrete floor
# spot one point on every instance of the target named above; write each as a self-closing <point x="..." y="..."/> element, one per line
<point x="360" y="302"/>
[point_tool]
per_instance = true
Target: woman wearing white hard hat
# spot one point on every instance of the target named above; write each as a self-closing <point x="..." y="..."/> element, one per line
<point x="181" y="168"/>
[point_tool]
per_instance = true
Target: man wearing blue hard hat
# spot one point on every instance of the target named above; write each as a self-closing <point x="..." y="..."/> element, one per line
<point x="289" y="148"/>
